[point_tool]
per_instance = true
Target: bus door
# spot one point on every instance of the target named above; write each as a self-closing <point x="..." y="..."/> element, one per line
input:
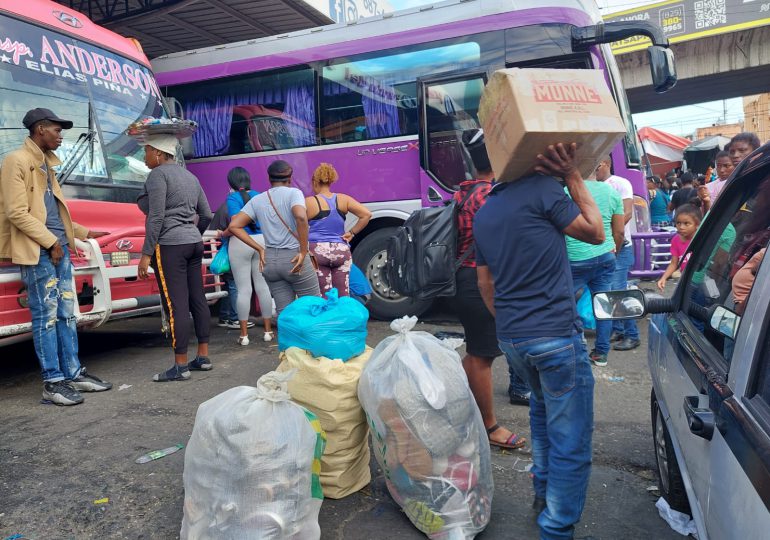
<point x="448" y="105"/>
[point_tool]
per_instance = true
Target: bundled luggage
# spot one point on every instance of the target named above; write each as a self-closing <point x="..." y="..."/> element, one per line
<point x="333" y="327"/>
<point x="328" y="388"/>
<point x="251" y="466"/>
<point x="427" y="433"/>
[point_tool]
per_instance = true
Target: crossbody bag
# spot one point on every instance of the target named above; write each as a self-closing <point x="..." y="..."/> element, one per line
<point x="291" y="232"/>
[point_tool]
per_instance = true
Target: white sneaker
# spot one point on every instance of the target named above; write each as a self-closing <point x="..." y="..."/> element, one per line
<point x="268" y="336"/>
<point x="243" y="340"/>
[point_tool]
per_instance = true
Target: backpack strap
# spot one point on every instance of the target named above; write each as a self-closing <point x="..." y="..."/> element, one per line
<point x="472" y="248"/>
<point x="468" y="195"/>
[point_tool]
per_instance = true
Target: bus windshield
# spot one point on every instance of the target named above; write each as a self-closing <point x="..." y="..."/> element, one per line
<point x="100" y="91"/>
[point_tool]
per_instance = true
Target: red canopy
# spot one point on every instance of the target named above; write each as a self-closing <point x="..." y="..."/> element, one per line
<point x="663" y="149"/>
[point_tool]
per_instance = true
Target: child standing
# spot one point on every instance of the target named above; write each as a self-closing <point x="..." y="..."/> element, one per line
<point x="708" y="194"/>
<point x="688" y="219"/>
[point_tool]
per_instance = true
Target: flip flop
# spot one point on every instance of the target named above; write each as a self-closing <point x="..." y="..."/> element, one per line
<point x="513" y="442"/>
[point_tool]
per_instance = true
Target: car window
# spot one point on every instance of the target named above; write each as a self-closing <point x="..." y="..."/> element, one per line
<point x="761" y="375"/>
<point x="715" y="274"/>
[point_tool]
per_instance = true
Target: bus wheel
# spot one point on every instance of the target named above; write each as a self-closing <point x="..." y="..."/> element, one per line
<point x="370" y="256"/>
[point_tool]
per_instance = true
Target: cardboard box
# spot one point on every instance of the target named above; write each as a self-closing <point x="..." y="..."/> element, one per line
<point x="522" y="111"/>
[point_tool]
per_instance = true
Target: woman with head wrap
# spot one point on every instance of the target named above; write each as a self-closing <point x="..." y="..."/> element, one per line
<point x="177" y="213"/>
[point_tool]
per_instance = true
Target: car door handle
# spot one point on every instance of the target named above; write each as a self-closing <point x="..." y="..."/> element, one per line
<point x="701" y="421"/>
<point x="433" y="195"/>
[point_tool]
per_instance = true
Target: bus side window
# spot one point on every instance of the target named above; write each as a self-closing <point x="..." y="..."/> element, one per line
<point x="250" y="113"/>
<point x="376" y="97"/>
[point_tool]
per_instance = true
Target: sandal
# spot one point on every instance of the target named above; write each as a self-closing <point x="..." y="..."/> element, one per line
<point x="513" y="442"/>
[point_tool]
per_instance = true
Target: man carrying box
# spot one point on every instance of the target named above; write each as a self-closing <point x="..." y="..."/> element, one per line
<point x="525" y="281"/>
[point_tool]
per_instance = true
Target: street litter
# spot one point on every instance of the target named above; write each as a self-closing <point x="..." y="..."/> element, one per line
<point x="329" y="388"/>
<point x="653" y="488"/>
<point x="125" y="386"/>
<point x="525" y="467"/>
<point x="157" y="454"/>
<point x="252" y="465"/>
<point x="427" y="433"/>
<point x="679" y="522"/>
<point x="15" y="537"/>
<point x="446" y="334"/>
<point x="616" y="379"/>
<point x="105" y="500"/>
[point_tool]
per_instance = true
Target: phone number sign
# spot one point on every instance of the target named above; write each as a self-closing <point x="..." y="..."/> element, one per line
<point x="683" y="20"/>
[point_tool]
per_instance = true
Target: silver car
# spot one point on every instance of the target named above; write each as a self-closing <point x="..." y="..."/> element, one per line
<point x="709" y="356"/>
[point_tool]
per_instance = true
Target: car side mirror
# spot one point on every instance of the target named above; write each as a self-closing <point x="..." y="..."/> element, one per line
<point x="724" y="321"/>
<point x="619" y="305"/>
<point x="662" y="68"/>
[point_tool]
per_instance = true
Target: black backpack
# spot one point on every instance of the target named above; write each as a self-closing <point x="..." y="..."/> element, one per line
<point x="422" y="255"/>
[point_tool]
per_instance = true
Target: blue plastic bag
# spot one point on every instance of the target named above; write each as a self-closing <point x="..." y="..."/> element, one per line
<point x="585" y="309"/>
<point x="333" y="327"/>
<point x="221" y="262"/>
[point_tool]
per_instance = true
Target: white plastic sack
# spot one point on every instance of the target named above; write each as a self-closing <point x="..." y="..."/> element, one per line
<point x="427" y="433"/>
<point x="251" y="466"/>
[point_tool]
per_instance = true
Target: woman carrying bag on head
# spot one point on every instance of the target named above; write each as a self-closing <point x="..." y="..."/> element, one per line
<point x="245" y="263"/>
<point x="172" y="199"/>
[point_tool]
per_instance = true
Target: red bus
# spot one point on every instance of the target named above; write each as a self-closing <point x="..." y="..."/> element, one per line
<point x="54" y="57"/>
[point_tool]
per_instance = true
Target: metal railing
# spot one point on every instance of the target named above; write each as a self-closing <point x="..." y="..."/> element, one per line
<point x="89" y="262"/>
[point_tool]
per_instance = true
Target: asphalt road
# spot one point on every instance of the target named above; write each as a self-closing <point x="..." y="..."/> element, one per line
<point x="55" y="462"/>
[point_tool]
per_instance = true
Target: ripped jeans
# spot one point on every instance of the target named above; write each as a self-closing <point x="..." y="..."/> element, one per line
<point x="52" y="303"/>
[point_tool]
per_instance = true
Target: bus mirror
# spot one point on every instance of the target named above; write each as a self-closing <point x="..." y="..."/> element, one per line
<point x="662" y="68"/>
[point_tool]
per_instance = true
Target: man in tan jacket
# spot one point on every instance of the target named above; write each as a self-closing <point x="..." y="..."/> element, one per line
<point x="36" y="232"/>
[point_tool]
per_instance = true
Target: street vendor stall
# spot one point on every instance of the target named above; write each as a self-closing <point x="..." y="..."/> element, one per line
<point x="663" y="150"/>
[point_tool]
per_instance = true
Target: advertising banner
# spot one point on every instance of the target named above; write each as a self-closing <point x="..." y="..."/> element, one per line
<point x="684" y="20"/>
<point x="350" y="10"/>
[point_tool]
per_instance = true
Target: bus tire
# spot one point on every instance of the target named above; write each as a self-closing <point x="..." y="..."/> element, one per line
<point x="370" y="256"/>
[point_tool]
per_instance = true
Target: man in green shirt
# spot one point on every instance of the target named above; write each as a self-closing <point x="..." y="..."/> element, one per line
<point x="593" y="265"/>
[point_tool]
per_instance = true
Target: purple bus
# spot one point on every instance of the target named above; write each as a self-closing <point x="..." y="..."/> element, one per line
<point x="385" y="100"/>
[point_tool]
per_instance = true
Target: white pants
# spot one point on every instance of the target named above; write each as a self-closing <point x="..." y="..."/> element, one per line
<point x="244" y="264"/>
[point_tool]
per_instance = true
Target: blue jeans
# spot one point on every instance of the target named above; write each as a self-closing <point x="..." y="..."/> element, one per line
<point x="516" y="385"/>
<point x="561" y="424"/>
<point x="623" y="264"/>
<point x="227" y="303"/>
<point x="597" y="274"/>
<point x="51" y="297"/>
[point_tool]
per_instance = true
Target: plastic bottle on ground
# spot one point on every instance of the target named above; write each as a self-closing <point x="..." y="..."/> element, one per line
<point x="157" y="454"/>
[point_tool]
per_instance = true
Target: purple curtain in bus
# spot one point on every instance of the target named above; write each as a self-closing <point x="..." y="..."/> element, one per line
<point x="381" y="111"/>
<point x="300" y="106"/>
<point x="214" y="116"/>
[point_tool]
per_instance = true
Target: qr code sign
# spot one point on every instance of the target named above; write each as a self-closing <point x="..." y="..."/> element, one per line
<point x="710" y="13"/>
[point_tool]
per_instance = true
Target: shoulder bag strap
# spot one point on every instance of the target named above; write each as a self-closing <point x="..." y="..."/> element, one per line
<point x="468" y="195"/>
<point x="295" y="235"/>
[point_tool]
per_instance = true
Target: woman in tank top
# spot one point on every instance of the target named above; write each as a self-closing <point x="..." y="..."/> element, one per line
<point x="329" y="243"/>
